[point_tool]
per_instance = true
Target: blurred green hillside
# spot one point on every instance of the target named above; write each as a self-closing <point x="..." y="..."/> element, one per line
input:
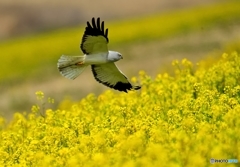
<point x="24" y="56"/>
<point x="31" y="60"/>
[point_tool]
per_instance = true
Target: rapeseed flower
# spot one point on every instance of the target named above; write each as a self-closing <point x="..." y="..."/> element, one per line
<point x="180" y="120"/>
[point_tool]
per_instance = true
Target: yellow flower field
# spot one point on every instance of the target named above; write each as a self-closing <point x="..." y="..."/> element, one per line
<point x="180" y="120"/>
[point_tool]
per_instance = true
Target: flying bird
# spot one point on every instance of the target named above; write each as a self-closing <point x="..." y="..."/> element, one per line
<point x="96" y="53"/>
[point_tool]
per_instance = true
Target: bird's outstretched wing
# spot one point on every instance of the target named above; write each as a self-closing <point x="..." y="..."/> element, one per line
<point x="94" y="39"/>
<point x="109" y="75"/>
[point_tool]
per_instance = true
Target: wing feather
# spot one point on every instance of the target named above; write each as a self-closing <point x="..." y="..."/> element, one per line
<point x="94" y="39"/>
<point x="109" y="75"/>
<point x="98" y="24"/>
<point x="102" y="26"/>
<point x="106" y="33"/>
<point x="93" y="23"/>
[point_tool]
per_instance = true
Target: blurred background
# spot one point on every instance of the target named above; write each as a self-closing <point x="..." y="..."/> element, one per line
<point x="149" y="34"/>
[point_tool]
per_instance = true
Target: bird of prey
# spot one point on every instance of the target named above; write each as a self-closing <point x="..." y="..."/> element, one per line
<point x="96" y="53"/>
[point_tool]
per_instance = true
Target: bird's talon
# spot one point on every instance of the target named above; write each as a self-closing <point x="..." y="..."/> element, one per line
<point x="79" y="63"/>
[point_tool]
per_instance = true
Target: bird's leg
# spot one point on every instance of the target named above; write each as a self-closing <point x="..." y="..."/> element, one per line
<point x="79" y="63"/>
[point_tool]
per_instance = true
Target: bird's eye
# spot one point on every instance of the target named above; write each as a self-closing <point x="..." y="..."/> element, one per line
<point x="120" y="56"/>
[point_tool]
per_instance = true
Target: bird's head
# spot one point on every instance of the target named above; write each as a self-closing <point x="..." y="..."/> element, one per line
<point x="114" y="56"/>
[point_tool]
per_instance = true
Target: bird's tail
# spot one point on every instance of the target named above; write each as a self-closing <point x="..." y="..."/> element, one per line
<point x="71" y="66"/>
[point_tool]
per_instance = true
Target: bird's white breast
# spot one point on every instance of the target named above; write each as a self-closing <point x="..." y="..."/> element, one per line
<point x="99" y="58"/>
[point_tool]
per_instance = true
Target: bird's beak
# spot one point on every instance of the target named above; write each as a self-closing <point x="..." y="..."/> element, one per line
<point x="121" y="57"/>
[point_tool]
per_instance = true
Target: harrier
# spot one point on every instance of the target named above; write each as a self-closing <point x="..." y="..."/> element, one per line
<point x="96" y="53"/>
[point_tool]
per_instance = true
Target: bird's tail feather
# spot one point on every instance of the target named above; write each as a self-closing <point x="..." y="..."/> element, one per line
<point x="71" y="66"/>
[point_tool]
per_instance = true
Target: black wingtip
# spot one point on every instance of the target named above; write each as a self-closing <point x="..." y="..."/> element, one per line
<point x="97" y="28"/>
<point x="137" y="87"/>
<point x="124" y="87"/>
<point x="94" y="28"/>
